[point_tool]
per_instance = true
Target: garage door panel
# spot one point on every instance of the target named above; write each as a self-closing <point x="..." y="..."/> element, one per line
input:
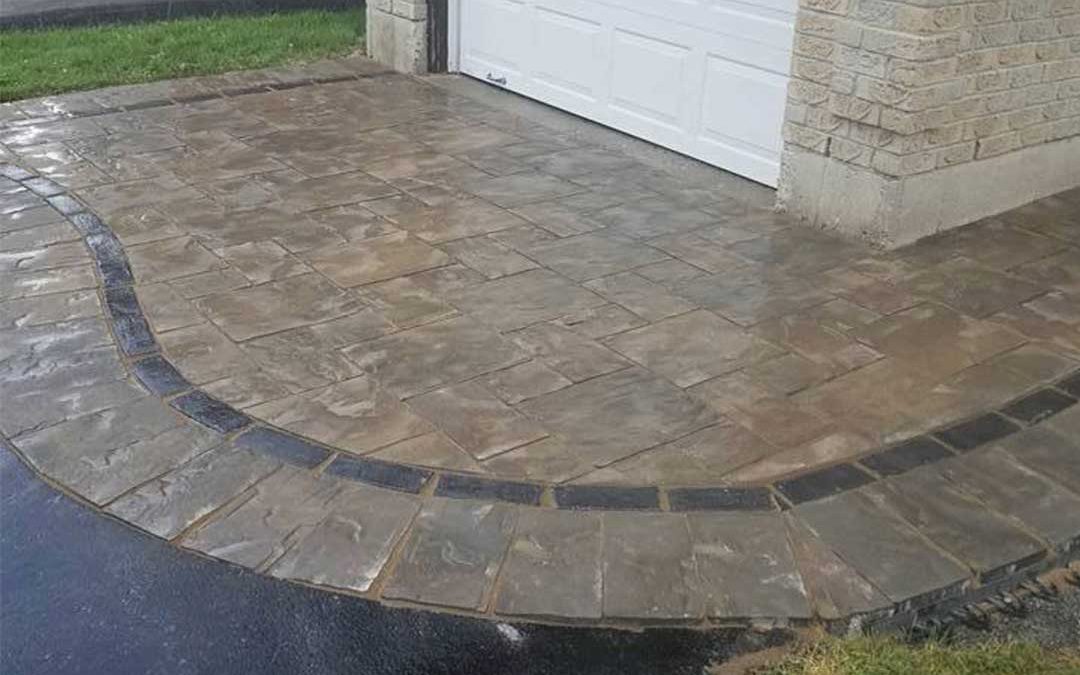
<point x="730" y="90"/>
<point x="496" y="35"/>
<point x="648" y="77"/>
<point x="703" y="77"/>
<point x="574" y="64"/>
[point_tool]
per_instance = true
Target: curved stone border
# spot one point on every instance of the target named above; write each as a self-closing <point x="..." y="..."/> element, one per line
<point x="160" y="377"/>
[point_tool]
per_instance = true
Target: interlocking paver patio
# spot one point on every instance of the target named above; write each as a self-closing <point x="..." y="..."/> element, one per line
<point x="487" y="366"/>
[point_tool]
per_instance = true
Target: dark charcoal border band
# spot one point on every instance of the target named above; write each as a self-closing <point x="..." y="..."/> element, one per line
<point x="160" y="377"/>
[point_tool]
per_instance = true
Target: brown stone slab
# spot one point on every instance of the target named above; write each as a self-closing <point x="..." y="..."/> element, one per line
<point x="524" y="381"/>
<point x="575" y="357"/>
<point x="522" y="299"/>
<point x="434" y="450"/>
<point x="650" y="301"/>
<point x="477" y="421"/>
<point x="370" y="260"/>
<point x="590" y="256"/>
<point x="355" y="415"/>
<point x="454" y="219"/>
<point x="275" y="306"/>
<point x="614" y="416"/>
<point x="413" y="361"/>
<point x="702" y="458"/>
<point x="488" y="257"/>
<point x="693" y="347"/>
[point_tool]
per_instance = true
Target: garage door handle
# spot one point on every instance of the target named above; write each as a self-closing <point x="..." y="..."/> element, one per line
<point x="497" y="80"/>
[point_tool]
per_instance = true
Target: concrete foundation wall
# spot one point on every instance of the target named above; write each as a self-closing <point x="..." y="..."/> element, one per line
<point x="891" y="211"/>
<point x="909" y="117"/>
<point x="397" y="34"/>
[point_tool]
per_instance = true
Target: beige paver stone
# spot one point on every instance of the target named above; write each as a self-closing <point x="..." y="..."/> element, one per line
<point x="453" y="219"/>
<point x="262" y="261"/>
<point x="476" y="420"/>
<point x="203" y="353"/>
<point x="650" y="301"/>
<point x="355" y="415"/>
<point x="831" y="449"/>
<point x="701" y="458"/>
<point x="693" y="347"/>
<point x="615" y="415"/>
<point x="524" y="381"/>
<point x="437" y="354"/>
<point x="488" y="257"/>
<point x="370" y="260"/>
<point x="434" y="450"/>
<point x="276" y="306"/>
<point x="522" y="299"/>
<point x="575" y="357"/>
<point x="41" y="282"/>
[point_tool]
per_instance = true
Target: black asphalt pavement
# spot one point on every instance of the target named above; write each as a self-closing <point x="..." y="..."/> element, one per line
<point x="82" y="593"/>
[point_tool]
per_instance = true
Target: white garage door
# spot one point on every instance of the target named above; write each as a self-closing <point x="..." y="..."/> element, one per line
<point x="704" y="77"/>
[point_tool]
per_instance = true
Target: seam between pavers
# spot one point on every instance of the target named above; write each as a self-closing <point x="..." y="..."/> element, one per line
<point x="137" y="342"/>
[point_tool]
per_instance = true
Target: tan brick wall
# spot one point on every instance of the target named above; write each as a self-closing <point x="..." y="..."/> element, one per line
<point x="908" y="87"/>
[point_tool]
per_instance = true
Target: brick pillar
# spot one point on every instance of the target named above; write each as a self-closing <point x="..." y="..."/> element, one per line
<point x="907" y="118"/>
<point x="397" y="34"/>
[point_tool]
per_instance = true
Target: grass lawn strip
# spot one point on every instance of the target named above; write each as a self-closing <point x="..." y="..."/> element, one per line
<point x="52" y="61"/>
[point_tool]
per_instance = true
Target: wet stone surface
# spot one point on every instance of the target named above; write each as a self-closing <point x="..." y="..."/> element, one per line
<point x="489" y="367"/>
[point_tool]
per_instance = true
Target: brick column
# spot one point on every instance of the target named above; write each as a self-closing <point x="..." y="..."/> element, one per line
<point x="907" y="118"/>
<point x="397" y="34"/>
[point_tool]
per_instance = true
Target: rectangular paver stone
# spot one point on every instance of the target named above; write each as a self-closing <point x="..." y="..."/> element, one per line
<point x="745" y="566"/>
<point x="453" y="553"/>
<point x="168" y="505"/>
<point x="282" y="509"/>
<point x="953" y="520"/>
<point x="351" y="545"/>
<point x="1050" y="450"/>
<point x="649" y="571"/>
<point x="554" y="566"/>
<point x="835" y="588"/>
<point x="881" y="547"/>
<point x="437" y="354"/>
<point x="1007" y="486"/>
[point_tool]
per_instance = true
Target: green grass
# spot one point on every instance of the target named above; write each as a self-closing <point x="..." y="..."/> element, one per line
<point x="877" y="656"/>
<point x="39" y="62"/>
